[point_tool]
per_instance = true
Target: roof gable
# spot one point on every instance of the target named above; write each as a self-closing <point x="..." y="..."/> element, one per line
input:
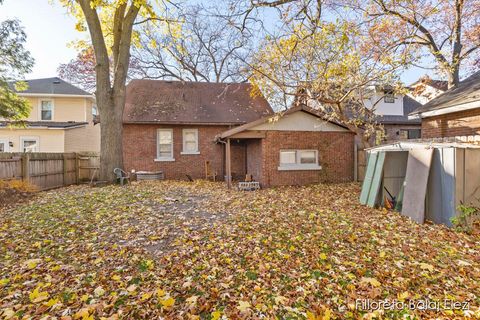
<point x="176" y="102"/>
<point x="409" y="106"/>
<point x="298" y="121"/>
<point x="441" y="85"/>
<point x="300" y="118"/>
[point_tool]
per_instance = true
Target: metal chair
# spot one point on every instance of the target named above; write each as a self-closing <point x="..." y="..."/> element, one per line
<point x="122" y="176"/>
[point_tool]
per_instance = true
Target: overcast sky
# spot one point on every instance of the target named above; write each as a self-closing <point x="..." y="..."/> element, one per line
<point x="49" y="31"/>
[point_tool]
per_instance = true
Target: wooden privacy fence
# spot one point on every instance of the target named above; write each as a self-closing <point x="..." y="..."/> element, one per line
<point x="361" y="164"/>
<point x="49" y="170"/>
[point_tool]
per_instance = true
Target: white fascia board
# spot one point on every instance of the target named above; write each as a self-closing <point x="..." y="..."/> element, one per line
<point x="66" y="128"/>
<point x="452" y="109"/>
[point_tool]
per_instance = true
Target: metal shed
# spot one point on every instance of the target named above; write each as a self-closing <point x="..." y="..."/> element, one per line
<point x="429" y="180"/>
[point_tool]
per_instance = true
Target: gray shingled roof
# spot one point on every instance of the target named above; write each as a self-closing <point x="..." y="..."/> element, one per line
<point x="48" y="124"/>
<point x="52" y="86"/>
<point x="467" y="91"/>
<point x="409" y="106"/>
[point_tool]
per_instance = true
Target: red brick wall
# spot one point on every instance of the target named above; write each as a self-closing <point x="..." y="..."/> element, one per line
<point x="140" y="150"/>
<point x="464" y="123"/>
<point x="335" y="150"/>
<point x="259" y="157"/>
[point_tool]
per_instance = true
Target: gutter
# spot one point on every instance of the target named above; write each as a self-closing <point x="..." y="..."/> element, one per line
<point x="450" y="109"/>
<point x="54" y="95"/>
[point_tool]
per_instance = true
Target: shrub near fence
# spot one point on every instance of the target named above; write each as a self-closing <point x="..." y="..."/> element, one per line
<point x="49" y="170"/>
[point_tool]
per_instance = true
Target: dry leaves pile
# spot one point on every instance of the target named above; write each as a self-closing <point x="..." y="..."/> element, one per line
<point x="195" y="250"/>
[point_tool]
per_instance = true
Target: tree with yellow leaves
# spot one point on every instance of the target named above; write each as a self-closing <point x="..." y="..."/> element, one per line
<point x="326" y="66"/>
<point x="111" y="27"/>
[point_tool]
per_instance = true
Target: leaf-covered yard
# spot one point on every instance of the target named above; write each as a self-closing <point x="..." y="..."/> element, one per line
<point x="195" y="250"/>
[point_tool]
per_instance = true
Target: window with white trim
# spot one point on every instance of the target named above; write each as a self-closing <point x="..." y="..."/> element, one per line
<point x="190" y="141"/>
<point x="29" y="144"/>
<point x="299" y="160"/>
<point x="165" y="145"/>
<point x="389" y="96"/>
<point x="46" y="110"/>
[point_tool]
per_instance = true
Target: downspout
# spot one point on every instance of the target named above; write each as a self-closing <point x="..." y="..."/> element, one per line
<point x="355" y="161"/>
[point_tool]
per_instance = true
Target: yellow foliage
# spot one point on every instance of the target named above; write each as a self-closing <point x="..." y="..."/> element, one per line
<point x="167" y="303"/>
<point x="38" y="296"/>
<point x="18" y="185"/>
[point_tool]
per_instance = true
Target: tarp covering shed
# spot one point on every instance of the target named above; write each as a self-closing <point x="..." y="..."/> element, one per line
<point x="426" y="180"/>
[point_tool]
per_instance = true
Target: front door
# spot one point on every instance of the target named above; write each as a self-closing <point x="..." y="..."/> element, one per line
<point x="4" y="147"/>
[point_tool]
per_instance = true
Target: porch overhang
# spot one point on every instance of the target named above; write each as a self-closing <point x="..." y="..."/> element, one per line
<point x="249" y="134"/>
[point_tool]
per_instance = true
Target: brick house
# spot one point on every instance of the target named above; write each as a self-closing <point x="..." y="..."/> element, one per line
<point x="176" y="127"/>
<point x="454" y="113"/>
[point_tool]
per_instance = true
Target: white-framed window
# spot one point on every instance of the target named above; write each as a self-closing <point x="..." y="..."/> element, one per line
<point x="4" y="145"/>
<point x="94" y="110"/>
<point x="190" y="141"/>
<point x="46" y="110"/>
<point x="29" y="144"/>
<point x="165" y="145"/>
<point x="299" y="160"/>
<point x="288" y="157"/>
<point x="389" y="96"/>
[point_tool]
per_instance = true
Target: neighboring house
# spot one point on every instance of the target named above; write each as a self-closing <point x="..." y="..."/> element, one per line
<point x="392" y="111"/>
<point x="454" y="113"/>
<point x="426" y="89"/>
<point x="176" y="127"/>
<point x="61" y="120"/>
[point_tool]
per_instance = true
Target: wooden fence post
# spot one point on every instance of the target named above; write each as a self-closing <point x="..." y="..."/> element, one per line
<point x="77" y="168"/>
<point x="65" y="179"/>
<point x="26" y="167"/>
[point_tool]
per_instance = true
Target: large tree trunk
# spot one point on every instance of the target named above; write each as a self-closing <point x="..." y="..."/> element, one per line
<point x="111" y="99"/>
<point x="454" y="76"/>
<point x="111" y="111"/>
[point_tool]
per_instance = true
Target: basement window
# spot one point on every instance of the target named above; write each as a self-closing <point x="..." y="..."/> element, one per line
<point x="299" y="160"/>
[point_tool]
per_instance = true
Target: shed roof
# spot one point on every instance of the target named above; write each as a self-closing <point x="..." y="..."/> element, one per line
<point x="177" y="102"/>
<point x="467" y="91"/>
<point x="424" y="143"/>
<point x="52" y="86"/>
